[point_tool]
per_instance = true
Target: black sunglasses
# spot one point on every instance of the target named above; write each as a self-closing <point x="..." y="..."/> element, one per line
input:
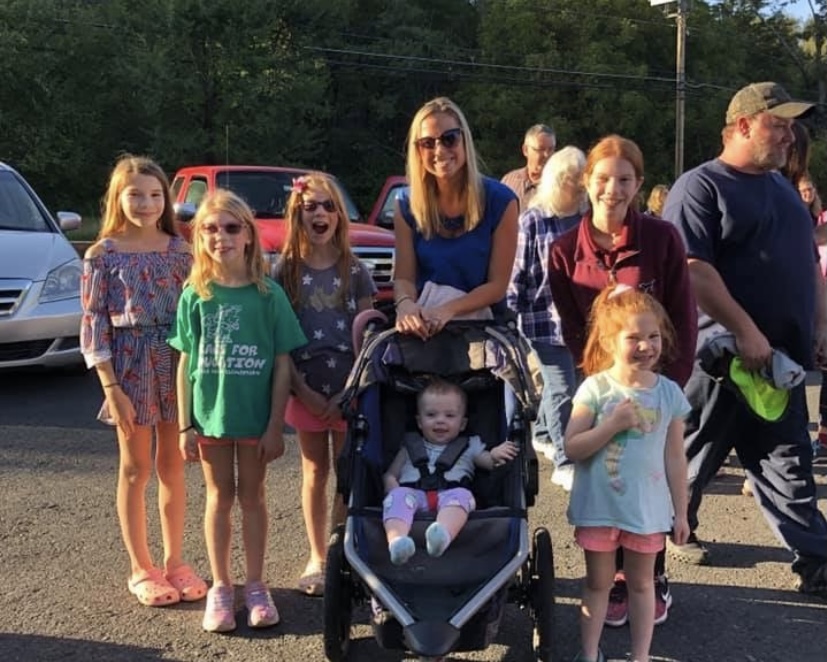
<point x="229" y="228"/>
<point x="312" y="205"/>
<point x="448" y="139"/>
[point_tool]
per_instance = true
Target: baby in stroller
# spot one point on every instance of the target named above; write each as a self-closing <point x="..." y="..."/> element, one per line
<point x="433" y="605"/>
<point x="434" y="472"/>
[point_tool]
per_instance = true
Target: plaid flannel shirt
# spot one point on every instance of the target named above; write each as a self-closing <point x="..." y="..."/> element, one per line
<point x="529" y="294"/>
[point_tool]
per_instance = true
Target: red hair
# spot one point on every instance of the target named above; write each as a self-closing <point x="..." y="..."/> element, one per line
<point x="615" y="146"/>
<point x="608" y="314"/>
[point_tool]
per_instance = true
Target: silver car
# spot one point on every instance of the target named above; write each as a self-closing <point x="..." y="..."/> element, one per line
<point x="39" y="280"/>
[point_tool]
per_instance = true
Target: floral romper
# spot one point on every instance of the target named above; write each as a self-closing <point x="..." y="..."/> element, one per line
<point x="129" y="304"/>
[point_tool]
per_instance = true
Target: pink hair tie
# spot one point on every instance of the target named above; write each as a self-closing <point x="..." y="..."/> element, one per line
<point x="620" y="288"/>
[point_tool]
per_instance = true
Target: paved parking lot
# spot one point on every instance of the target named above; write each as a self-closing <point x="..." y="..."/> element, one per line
<point x="63" y="568"/>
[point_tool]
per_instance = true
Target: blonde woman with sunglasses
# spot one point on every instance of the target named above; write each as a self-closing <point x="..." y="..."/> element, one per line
<point x="455" y="228"/>
<point x="234" y="329"/>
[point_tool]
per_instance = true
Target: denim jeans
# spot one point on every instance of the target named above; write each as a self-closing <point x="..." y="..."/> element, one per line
<point x="559" y="381"/>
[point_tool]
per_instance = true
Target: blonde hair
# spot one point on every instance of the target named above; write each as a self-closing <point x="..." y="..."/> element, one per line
<point x="204" y="271"/>
<point x="566" y="163"/>
<point x="657" y="199"/>
<point x="438" y="386"/>
<point x="113" y="218"/>
<point x="297" y="243"/>
<point x="422" y="185"/>
<point x="609" y="313"/>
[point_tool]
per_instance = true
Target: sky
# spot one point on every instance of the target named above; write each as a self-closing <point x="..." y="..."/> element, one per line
<point x="800" y="9"/>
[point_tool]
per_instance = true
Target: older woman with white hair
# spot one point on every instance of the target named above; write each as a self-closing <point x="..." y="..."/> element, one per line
<point x="557" y="207"/>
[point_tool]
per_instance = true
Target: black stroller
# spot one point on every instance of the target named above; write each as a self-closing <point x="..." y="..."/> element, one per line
<point x="434" y="606"/>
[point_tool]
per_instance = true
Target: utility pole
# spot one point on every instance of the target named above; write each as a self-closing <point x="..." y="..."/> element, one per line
<point x="680" y="86"/>
<point x="680" y="76"/>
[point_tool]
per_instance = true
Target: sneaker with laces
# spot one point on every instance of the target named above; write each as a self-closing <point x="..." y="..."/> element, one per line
<point x="617" y="613"/>
<point x="663" y="599"/>
<point x="691" y="552"/>
<point x="261" y="612"/>
<point x="219" y="616"/>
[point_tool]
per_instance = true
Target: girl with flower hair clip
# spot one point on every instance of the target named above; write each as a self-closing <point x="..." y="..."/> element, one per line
<point x="327" y="286"/>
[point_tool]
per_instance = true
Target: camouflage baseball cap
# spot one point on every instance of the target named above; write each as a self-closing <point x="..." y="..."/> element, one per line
<point x="764" y="97"/>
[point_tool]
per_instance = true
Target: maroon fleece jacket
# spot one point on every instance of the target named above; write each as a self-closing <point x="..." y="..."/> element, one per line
<point x="650" y="256"/>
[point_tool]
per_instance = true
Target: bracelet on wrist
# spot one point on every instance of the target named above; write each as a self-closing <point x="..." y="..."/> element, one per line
<point x="400" y="300"/>
<point x="112" y="385"/>
<point x="186" y="429"/>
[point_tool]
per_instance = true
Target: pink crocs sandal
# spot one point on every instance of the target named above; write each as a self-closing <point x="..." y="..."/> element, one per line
<point x="189" y="585"/>
<point x="152" y="589"/>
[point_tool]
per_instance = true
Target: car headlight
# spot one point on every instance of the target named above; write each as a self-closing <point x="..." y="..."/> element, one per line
<point x="62" y="283"/>
<point x="271" y="259"/>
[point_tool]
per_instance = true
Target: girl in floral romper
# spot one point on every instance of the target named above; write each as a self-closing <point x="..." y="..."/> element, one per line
<point x="132" y="278"/>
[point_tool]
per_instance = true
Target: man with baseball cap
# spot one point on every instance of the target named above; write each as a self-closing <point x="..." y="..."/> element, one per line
<point x="755" y="274"/>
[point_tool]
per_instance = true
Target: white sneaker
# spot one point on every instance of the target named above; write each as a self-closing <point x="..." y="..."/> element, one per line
<point x="544" y="448"/>
<point x="563" y="476"/>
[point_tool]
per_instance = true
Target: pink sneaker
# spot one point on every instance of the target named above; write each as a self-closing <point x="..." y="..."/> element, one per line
<point x="219" y="616"/>
<point x="261" y="612"/>
<point x="617" y="613"/>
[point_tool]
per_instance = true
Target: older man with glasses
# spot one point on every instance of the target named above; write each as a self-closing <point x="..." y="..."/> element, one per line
<point x="538" y="146"/>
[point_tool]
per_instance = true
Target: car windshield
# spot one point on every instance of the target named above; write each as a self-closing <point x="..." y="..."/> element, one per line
<point x="18" y="209"/>
<point x="267" y="192"/>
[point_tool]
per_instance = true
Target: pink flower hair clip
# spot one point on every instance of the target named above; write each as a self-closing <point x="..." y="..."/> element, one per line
<point x="300" y="185"/>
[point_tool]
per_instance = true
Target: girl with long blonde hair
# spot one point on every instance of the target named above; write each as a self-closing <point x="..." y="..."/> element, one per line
<point x="132" y="279"/>
<point x="327" y="286"/>
<point x="234" y="329"/>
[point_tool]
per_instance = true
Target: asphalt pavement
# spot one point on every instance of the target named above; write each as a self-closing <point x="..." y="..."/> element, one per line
<point x="63" y="569"/>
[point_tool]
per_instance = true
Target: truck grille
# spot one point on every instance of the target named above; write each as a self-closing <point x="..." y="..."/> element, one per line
<point x="379" y="261"/>
<point x="12" y="293"/>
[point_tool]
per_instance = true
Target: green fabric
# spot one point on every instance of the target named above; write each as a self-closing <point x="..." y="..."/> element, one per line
<point x="232" y="341"/>
<point x="763" y="398"/>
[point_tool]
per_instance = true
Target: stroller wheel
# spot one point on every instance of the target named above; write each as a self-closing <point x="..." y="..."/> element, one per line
<point x="338" y="599"/>
<point x="542" y="595"/>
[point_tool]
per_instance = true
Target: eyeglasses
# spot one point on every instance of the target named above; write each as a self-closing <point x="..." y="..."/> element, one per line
<point x="449" y="140"/>
<point x="229" y="228"/>
<point x="313" y="205"/>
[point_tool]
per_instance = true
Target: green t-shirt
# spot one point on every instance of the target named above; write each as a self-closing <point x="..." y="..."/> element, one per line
<point x="232" y="341"/>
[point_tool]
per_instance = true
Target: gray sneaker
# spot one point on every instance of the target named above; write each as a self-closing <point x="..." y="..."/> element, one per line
<point x="691" y="552"/>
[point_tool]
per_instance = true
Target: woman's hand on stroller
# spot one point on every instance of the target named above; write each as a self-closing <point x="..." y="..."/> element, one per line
<point x="409" y="319"/>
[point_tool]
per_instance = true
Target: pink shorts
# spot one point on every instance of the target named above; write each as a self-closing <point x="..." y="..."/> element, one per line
<point x="609" y="538"/>
<point x="226" y="441"/>
<point x="299" y="418"/>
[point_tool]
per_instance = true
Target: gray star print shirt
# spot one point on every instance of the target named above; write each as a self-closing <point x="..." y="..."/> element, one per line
<point x="327" y="358"/>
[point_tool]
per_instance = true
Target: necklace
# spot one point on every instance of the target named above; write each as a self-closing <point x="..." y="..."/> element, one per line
<point x="452" y="223"/>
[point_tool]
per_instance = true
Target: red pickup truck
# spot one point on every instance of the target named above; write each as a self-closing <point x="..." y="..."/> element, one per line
<point x="266" y="189"/>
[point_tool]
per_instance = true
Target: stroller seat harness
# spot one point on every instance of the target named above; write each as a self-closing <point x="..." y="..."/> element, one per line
<point x="433" y="482"/>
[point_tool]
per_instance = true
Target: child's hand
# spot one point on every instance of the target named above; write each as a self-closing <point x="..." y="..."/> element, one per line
<point x="332" y="412"/>
<point x="270" y="446"/>
<point x="188" y="446"/>
<point x="505" y="452"/>
<point x="680" y="530"/>
<point x="121" y="409"/>
<point x="315" y="402"/>
<point x="626" y="416"/>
